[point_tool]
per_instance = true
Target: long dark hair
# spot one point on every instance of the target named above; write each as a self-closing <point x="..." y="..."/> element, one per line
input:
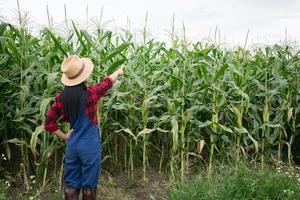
<point x="72" y="96"/>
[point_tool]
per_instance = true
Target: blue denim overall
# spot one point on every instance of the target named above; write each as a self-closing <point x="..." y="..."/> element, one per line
<point x="83" y="153"/>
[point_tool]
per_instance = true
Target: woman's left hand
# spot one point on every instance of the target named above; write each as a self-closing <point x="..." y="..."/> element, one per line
<point x="62" y="135"/>
<point x="68" y="134"/>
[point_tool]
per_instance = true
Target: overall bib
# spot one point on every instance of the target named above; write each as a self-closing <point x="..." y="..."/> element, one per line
<point x="83" y="153"/>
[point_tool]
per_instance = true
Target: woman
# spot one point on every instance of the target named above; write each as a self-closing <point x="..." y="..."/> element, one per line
<point x="78" y="106"/>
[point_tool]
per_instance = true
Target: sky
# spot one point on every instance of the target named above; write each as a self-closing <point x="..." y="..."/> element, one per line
<point x="268" y="21"/>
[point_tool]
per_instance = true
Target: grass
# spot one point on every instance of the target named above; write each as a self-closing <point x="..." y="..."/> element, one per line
<point x="240" y="184"/>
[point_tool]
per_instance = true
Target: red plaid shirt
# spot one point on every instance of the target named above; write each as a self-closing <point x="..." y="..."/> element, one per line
<point x="95" y="92"/>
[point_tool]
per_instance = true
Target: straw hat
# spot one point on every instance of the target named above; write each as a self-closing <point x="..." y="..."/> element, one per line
<point x="76" y="70"/>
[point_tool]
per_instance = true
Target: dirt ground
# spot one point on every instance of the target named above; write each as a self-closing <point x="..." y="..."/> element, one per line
<point x="118" y="186"/>
<point x="115" y="184"/>
<point x="112" y="186"/>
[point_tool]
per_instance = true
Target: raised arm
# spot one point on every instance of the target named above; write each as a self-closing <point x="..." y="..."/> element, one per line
<point x="101" y="88"/>
<point x="116" y="74"/>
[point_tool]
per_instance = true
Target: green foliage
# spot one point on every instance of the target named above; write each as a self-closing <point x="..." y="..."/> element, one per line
<point x="177" y="105"/>
<point x="240" y="184"/>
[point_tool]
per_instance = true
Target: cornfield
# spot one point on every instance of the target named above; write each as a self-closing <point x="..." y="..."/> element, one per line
<point x="179" y="105"/>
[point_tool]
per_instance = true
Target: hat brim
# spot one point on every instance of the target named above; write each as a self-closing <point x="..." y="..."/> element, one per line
<point x="88" y="69"/>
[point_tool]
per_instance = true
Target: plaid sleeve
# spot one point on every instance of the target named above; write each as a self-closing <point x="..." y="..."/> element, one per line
<point x="101" y="88"/>
<point x="52" y="115"/>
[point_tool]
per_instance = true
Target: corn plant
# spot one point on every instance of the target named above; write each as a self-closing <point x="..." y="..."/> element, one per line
<point x="179" y="103"/>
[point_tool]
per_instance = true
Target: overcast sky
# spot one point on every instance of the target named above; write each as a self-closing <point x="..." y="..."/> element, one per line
<point x="266" y="19"/>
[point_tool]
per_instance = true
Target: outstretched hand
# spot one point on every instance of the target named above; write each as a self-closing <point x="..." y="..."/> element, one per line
<point x="120" y="71"/>
<point x="116" y="74"/>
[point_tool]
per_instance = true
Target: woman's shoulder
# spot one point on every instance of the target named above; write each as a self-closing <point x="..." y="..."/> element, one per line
<point x="57" y="96"/>
<point x="59" y="106"/>
<point x="91" y="95"/>
<point x="58" y="100"/>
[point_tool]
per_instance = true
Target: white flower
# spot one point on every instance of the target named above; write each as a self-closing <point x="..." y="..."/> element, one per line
<point x="3" y="156"/>
<point x="7" y="183"/>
